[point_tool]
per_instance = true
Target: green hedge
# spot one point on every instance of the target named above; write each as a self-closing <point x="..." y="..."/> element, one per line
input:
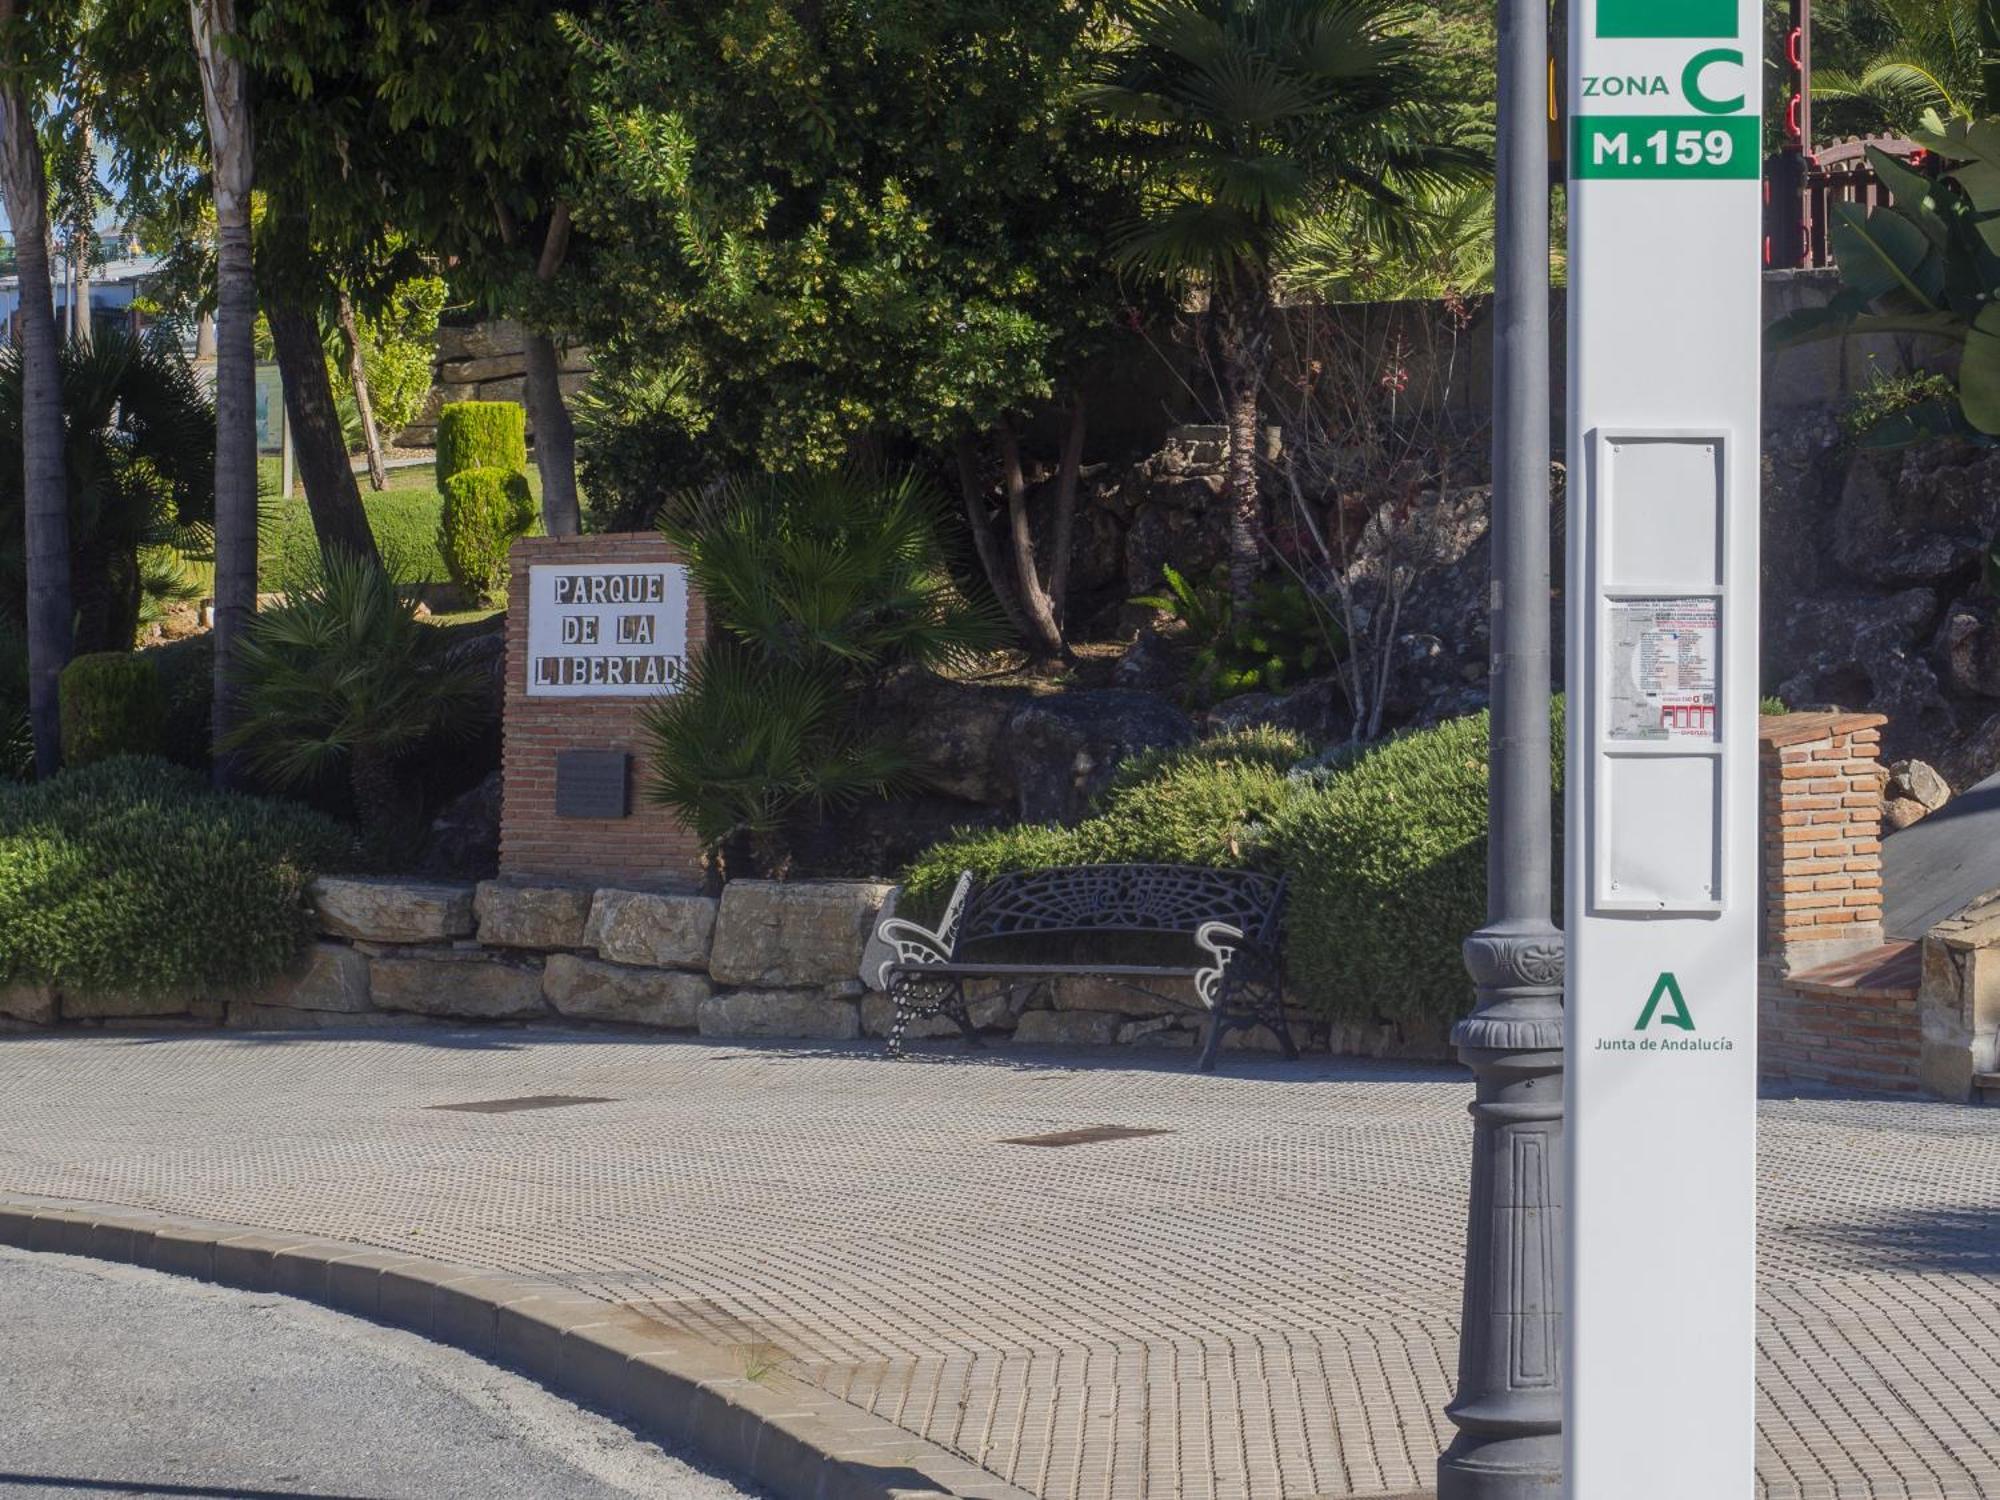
<point x="131" y="876"/>
<point x="1386" y="851"/>
<point x="111" y="705"/>
<point x="484" y="511"/>
<point x="480" y="435"/>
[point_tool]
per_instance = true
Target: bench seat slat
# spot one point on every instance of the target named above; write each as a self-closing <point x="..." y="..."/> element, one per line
<point x="1050" y="971"/>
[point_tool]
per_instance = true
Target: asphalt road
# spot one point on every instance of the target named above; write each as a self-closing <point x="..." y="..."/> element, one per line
<point x="121" y="1382"/>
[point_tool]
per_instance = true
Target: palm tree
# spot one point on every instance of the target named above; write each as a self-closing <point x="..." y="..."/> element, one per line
<point x="1247" y="119"/>
<point x="226" y="103"/>
<point x="1934" y="66"/>
<point x="45" y="497"/>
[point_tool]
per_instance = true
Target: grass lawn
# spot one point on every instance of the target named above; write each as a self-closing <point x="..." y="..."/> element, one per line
<point x="404" y="518"/>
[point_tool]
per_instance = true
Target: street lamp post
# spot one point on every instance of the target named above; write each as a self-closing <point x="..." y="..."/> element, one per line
<point x="1508" y="1409"/>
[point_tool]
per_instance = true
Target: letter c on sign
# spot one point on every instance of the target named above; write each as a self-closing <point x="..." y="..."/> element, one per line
<point x="1691" y="81"/>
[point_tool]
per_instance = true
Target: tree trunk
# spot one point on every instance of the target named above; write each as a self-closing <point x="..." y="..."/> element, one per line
<point x="555" y="434"/>
<point x="82" y="241"/>
<point x="1242" y="341"/>
<point x="332" y="496"/>
<point x="1045" y="636"/>
<point x="357" y="377"/>
<point x="45" y="486"/>
<point x="1067" y="477"/>
<point x="990" y="561"/>
<point x="226" y="105"/>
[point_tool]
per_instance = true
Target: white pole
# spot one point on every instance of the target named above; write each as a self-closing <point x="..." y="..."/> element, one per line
<point x="1661" y="886"/>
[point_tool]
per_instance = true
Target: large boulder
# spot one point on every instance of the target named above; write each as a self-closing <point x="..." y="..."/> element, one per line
<point x="330" y="977"/>
<point x="463" y="983"/>
<point x="1060" y="750"/>
<point x="806" y="1014"/>
<point x="381" y="910"/>
<point x="515" y="915"/>
<point x="659" y="929"/>
<point x="33" y="1003"/>
<point x="1863" y="654"/>
<point x="464" y="838"/>
<point x="587" y="989"/>
<point x="770" y="934"/>
<point x="1068" y="1028"/>
<point x="1917" y="516"/>
<point x="1968" y="648"/>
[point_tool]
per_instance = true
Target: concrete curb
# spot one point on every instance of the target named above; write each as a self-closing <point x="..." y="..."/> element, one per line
<point x="772" y="1429"/>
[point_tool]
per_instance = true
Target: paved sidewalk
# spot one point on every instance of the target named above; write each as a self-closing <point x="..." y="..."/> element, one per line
<point x="1259" y="1302"/>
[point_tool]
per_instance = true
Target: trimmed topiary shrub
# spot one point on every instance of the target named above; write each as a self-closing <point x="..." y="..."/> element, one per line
<point x="111" y="705"/>
<point x="485" y="511"/>
<point x="480" y="435"/>
<point x="131" y="876"/>
<point x="405" y="524"/>
<point x="1387" y="858"/>
<point x="186" y="670"/>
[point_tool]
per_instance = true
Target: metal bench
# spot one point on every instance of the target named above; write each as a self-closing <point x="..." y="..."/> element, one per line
<point x="1044" y="924"/>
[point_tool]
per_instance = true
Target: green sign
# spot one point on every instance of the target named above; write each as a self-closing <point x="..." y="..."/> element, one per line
<point x="1666" y="18"/>
<point x="1666" y="987"/>
<point x="1664" y="146"/>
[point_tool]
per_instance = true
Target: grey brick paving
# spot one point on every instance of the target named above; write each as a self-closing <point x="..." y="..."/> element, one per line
<point x="1260" y="1304"/>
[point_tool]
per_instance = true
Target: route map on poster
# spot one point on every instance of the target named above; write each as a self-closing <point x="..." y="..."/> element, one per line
<point x="1662" y="683"/>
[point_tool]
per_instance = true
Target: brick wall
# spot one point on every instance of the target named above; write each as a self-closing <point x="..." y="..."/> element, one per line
<point x="1822" y="829"/>
<point x="1837" y="1005"/>
<point x="650" y="847"/>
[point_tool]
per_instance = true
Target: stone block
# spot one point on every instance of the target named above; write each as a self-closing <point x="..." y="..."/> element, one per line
<point x="656" y="929"/>
<point x="327" y="976"/>
<point x="33" y="1003"/>
<point x="773" y="933"/>
<point x="780" y="1013"/>
<point x="590" y="990"/>
<point x="455" y="982"/>
<point x="530" y="916"/>
<point x="105" y="1004"/>
<point x="1068" y="1028"/>
<point x="392" y="911"/>
<point x="1161" y="1031"/>
<point x="1085" y="992"/>
<point x="878" y="1014"/>
<point x="252" y="1015"/>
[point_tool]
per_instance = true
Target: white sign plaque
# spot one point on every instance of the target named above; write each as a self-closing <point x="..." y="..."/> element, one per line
<point x="1661" y="883"/>
<point x="606" y="630"/>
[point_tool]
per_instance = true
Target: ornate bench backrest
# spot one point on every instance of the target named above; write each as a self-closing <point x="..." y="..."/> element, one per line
<point x="1076" y="899"/>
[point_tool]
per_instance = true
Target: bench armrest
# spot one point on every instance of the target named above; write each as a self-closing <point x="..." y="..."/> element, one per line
<point x="916" y="944"/>
<point x="1220" y="940"/>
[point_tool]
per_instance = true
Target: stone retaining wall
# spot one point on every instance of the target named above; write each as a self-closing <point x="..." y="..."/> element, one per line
<point x="767" y="959"/>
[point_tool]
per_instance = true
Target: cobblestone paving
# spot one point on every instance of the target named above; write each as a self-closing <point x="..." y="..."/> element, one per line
<point x="1260" y="1303"/>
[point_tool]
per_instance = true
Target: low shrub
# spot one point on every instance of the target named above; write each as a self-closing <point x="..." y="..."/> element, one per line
<point x="480" y="435"/>
<point x="130" y="876"/>
<point x="186" y="672"/>
<point x="1209" y="803"/>
<point x="1387" y="858"/>
<point x="111" y="705"/>
<point x="484" y="512"/>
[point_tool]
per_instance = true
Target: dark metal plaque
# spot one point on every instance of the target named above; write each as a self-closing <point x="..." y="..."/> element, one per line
<point x="593" y="784"/>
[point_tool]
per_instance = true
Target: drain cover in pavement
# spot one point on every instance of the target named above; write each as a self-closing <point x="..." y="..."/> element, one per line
<point x="530" y="1101"/>
<point x="1083" y="1137"/>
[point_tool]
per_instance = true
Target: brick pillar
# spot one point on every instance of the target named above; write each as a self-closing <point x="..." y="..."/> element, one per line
<point x="1822" y="818"/>
<point x="649" y="846"/>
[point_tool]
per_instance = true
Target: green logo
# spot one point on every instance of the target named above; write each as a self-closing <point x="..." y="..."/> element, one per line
<point x="1691" y="81"/>
<point x="1666" y="987"/>
<point x="1666" y="18"/>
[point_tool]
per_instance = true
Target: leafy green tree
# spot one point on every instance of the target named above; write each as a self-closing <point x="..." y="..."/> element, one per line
<point x="1250" y="119"/>
<point x="838" y="226"/>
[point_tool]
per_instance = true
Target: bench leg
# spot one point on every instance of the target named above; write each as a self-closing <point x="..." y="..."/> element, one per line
<point x="1217" y="1024"/>
<point x="954" y="1006"/>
